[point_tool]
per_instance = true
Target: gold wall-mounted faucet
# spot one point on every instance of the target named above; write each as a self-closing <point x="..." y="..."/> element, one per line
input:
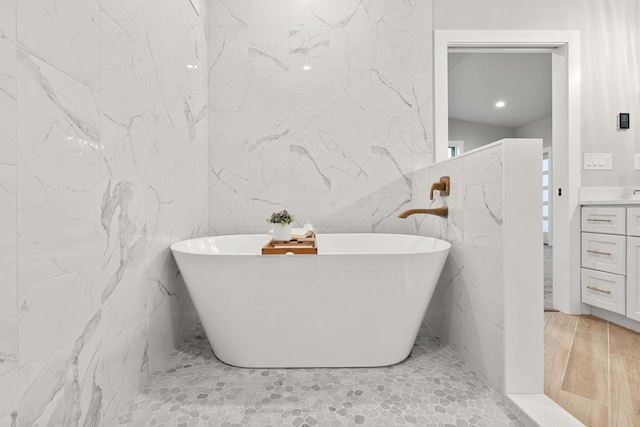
<point x="443" y="186"/>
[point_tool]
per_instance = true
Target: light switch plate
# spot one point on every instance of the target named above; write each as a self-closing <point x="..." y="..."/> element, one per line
<point x="598" y="161"/>
<point x="636" y="161"/>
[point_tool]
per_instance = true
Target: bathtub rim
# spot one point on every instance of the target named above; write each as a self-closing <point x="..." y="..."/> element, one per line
<point x="442" y="245"/>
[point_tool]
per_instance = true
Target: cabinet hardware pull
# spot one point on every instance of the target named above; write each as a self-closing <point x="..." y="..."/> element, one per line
<point x="599" y="253"/>
<point x="598" y="220"/>
<point x="593" y="288"/>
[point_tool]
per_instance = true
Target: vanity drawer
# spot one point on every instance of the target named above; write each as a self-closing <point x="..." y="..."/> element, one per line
<point x="604" y="252"/>
<point x="604" y="219"/>
<point x="633" y="221"/>
<point x="604" y="290"/>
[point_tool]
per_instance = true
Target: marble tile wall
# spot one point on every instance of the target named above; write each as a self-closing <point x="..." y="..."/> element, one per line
<point x="323" y="108"/>
<point x="103" y="164"/>
<point x="467" y="307"/>
<point x="8" y="275"/>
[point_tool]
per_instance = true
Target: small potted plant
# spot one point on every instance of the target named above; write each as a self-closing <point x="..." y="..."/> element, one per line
<point x="281" y="225"/>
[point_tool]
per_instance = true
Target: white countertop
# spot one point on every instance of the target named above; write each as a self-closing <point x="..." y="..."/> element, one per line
<point x="618" y="202"/>
<point x="609" y="196"/>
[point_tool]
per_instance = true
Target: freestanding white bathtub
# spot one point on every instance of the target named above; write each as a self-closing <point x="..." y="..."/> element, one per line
<point x="359" y="302"/>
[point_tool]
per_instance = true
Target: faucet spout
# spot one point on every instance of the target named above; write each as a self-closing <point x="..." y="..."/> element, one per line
<point x="443" y="212"/>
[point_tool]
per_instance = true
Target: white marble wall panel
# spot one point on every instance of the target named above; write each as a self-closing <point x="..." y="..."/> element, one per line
<point x="10" y="420"/>
<point x="7" y="97"/>
<point x="268" y="48"/>
<point x="386" y="208"/>
<point x="8" y="293"/>
<point x="310" y="48"/>
<point x="177" y="182"/>
<point x="352" y="43"/>
<point x="229" y="153"/>
<point x="390" y="15"/>
<point x="231" y="88"/>
<point x="228" y="47"/>
<point x="350" y="112"/>
<point x="467" y="306"/>
<point x="110" y="100"/>
<point x="390" y="171"/>
<point x="392" y="84"/>
<point x="423" y="115"/>
<point x="421" y="37"/>
<point x="124" y="138"/>
<point x="310" y="91"/>
<point x="337" y="113"/>
<point x="59" y="350"/>
<point x="125" y="369"/>
<point x="65" y="35"/>
<point x="126" y="294"/>
<point x="311" y="130"/>
<point x="485" y="166"/>
<point x="483" y="220"/>
<point x="8" y="276"/>
<point x="268" y="12"/>
<point x="268" y="131"/>
<point x="337" y="173"/>
<point x="167" y="305"/>
<point x="334" y="213"/>
<point x="228" y="214"/>
<point x="130" y="16"/>
<point x="228" y="13"/>
<point x="8" y="20"/>
<point x="269" y="177"/>
<point x="59" y="184"/>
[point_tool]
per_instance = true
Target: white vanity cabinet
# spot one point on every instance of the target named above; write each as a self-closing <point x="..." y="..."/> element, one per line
<point x="611" y="259"/>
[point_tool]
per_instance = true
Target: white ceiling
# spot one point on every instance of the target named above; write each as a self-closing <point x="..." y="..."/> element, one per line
<point x="478" y="80"/>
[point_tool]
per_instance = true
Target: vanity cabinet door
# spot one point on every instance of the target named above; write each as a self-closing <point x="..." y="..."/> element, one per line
<point x="633" y="278"/>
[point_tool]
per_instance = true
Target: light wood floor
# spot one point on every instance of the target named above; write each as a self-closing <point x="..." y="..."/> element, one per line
<point x="592" y="369"/>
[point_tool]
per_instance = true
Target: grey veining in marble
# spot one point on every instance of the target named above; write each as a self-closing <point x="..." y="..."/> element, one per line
<point x="432" y="387"/>
<point x="323" y="101"/>
<point x="109" y="100"/>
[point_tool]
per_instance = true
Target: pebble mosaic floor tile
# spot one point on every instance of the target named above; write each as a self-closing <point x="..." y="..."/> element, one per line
<point x="432" y="387"/>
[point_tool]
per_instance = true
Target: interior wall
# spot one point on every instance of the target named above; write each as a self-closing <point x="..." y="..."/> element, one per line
<point x="103" y="150"/>
<point x="336" y="143"/>
<point x="542" y="129"/>
<point x="476" y="135"/>
<point x="610" y="68"/>
<point x="484" y="226"/>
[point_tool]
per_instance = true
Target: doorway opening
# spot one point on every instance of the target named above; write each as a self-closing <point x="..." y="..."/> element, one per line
<point x="502" y="93"/>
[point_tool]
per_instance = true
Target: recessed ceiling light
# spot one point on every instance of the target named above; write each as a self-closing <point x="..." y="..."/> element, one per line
<point x="306" y="67"/>
<point x="191" y="67"/>
<point x="500" y="104"/>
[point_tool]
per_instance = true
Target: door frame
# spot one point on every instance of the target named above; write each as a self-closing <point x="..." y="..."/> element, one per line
<point x="566" y="166"/>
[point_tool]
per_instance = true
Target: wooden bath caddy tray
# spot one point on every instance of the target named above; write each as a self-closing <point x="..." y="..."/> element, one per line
<point x="306" y="245"/>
